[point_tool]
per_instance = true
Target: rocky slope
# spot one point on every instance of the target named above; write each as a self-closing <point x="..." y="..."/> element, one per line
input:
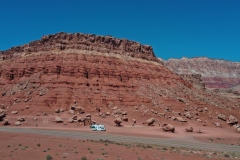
<point x="92" y="72"/>
<point x="215" y="73"/>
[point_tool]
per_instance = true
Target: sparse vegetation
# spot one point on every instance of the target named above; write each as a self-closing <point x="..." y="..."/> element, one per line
<point x="49" y="157"/>
<point x="83" y="158"/>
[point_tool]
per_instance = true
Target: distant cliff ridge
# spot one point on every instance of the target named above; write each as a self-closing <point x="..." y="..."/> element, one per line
<point x="215" y="73"/>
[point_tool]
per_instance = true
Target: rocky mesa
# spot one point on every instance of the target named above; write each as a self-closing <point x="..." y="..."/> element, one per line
<point x="103" y="75"/>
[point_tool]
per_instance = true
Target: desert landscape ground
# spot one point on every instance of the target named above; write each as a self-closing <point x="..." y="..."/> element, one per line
<point x="53" y="89"/>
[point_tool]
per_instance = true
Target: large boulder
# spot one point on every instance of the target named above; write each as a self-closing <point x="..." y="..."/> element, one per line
<point x="58" y="119"/>
<point x="168" y="127"/>
<point x="189" y="129"/>
<point x="118" y="121"/>
<point x="222" y="117"/>
<point x="149" y="122"/>
<point x="232" y="120"/>
<point x="238" y="130"/>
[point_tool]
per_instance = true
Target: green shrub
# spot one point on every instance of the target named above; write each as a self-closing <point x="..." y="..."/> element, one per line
<point x="48" y="157"/>
<point x="83" y="158"/>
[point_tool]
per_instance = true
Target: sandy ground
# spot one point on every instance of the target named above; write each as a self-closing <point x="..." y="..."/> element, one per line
<point x="36" y="147"/>
<point x="22" y="146"/>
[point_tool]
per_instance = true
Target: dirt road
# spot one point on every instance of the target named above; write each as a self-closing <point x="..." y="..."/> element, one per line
<point x="186" y="142"/>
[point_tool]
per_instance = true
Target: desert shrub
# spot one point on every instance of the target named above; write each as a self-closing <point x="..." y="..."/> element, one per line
<point x="83" y="158"/>
<point x="48" y="157"/>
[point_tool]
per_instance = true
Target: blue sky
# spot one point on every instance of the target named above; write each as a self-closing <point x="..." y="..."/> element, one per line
<point x="175" y="28"/>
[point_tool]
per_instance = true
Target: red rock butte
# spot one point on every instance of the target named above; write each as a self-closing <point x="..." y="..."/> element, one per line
<point x="96" y="71"/>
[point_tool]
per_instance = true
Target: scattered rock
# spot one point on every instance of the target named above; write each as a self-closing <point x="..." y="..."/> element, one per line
<point x="149" y="122"/>
<point x="124" y="113"/>
<point x="232" y="120"/>
<point x="14" y="112"/>
<point x="218" y="125"/>
<point x="21" y="119"/>
<point x="168" y="127"/>
<point x="58" y="119"/>
<point x="6" y="122"/>
<point x="125" y="119"/>
<point x="17" y="123"/>
<point x="180" y="119"/>
<point x="71" y="111"/>
<point x="118" y="121"/>
<point x="88" y="115"/>
<point x="222" y="117"/>
<point x="199" y="131"/>
<point x="189" y="129"/>
<point x="57" y="110"/>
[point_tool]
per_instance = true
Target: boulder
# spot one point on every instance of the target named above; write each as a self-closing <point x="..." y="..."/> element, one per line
<point x="71" y="111"/>
<point x="199" y="131"/>
<point x="125" y="119"/>
<point x="74" y="117"/>
<point x="232" y="120"/>
<point x="149" y="122"/>
<point x="27" y="107"/>
<point x="57" y="110"/>
<point x="2" y="116"/>
<point x="173" y="118"/>
<point x="168" y="127"/>
<point x="17" y="123"/>
<point x="79" y="110"/>
<point x="124" y="113"/>
<point x="118" y="121"/>
<point x="189" y="129"/>
<point x="21" y="119"/>
<point x="236" y="126"/>
<point x="134" y="122"/>
<point x="6" y="122"/>
<point x="70" y="120"/>
<point x="61" y="110"/>
<point x="88" y="115"/>
<point x="14" y="112"/>
<point x="222" y="117"/>
<point x="238" y="130"/>
<point x="188" y="115"/>
<point x="58" y="119"/>
<point x="180" y="119"/>
<point x="218" y="125"/>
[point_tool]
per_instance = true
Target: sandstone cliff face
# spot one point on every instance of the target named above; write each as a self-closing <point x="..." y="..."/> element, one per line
<point x="84" y="43"/>
<point x="215" y="73"/>
<point x="94" y="71"/>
